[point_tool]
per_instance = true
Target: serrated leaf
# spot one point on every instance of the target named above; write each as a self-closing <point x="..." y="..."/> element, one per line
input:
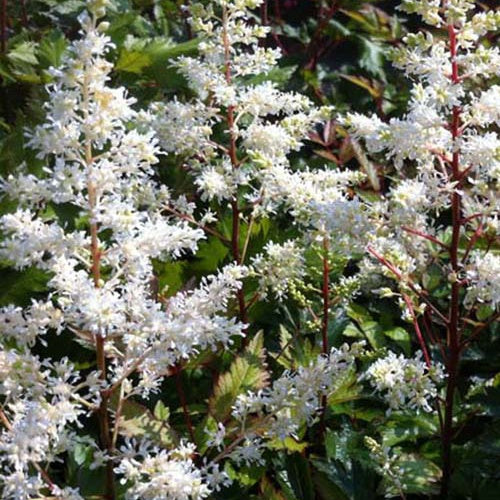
<point x="370" y="329"/>
<point x="209" y="256"/>
<point x="484" y="312"/>
<point x="25" y="52"/>
<point x="278" y="75"/>
<point x="139" y="422"/>
<point x="284" y="356"/>
<point x="132" y="61"/>
<point x="51" y="49"/>
<point x="431" y="279"/>
<point x="154" y="52"/>
<point x="408" y="428"/>
<point x="245" y="476"/>
<point x="246" y="373"/>
<point x="161" y="412"/>
<point x="326" y="488"/>
<point x="289" y="444"/>
<point x="371" y="57"/>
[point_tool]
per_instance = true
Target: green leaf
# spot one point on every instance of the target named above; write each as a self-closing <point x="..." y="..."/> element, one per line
<point x="161" y="412"/>
<point x="139" y="422"/>
<point x="246" y="373"/>
<point x="371" y="57"/>
<point x="210" y="255"/>
<point x="18" y="287"/>
<point x="326" y="488"/>
<point x="345" y="479"/>
<point x="25" y="52"/>
<point x="371" y="329"/>
<point x="170" y="276"/>
<point x="358" y="313"/>
<point x="299" y="475"/>
<point x="484" y="312"/>
<point x="289" y="444"/>
<point x="51" y="49"/>
<point x="132" y="61"/>
<point x="401" y="428"/>
<point x="278" y="75"/>
<point x="373" y="332"/>
<point x="244" y="476"/>
<point x="401" y="337"/>
<point x="432" y="278"/>
<point x="156" y="52"/>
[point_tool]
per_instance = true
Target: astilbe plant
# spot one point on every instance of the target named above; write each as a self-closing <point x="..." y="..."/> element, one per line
<point x="437" y="227"/>
<point x="236" y="138"/>
<point x="100" y="163"/>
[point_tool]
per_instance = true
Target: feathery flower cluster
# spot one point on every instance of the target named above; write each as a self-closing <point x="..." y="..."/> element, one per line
<point x="449" y="135"/>
<point x="387" y="461"/>
<point x="405" y="383"/>
<point x="99" y="273"/>
<point x="100" y="157"/>
<point x="156" y="474"/>
<point x="261" y="120"/>
<point x="279" y="267"/>
<point x="295" y="397"/>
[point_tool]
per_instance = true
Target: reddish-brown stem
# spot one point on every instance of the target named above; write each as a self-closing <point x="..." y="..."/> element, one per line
<point x="3" y="26"/>
<point x="410" y="285"/>
<point x="416" y="327"/>
<point x="427" y="321"/>
<point x="478" y="330"/>
<point x="471" y="217"/>
<point x="426" y="236"/>
<point x="464" y="173"/>
<point x="207" y="229"/>
<point x="103" y="413"/>
<point x="277" y="12"/>
<point x="315" y="48"/>
<point x="252" y="301"/>
<point x="185" y="409"/>
<point x="453" y="332"/>
<point x="235" y="237"/>
<point x="24" y="13"/>
<point x="185" y="11"/>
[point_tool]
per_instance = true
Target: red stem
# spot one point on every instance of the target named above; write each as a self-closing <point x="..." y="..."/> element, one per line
<point x="235" y="237"/>
<point x="24" y="13"/>
<point x="3" y="26"/>
<point x="425" y="236"/>
<point x="453" y="333"/>
<point x="417" y="330"/>
<point x="410" y="285"/>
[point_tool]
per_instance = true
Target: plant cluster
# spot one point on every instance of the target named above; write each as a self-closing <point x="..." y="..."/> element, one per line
<point x="243" y="290"/>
